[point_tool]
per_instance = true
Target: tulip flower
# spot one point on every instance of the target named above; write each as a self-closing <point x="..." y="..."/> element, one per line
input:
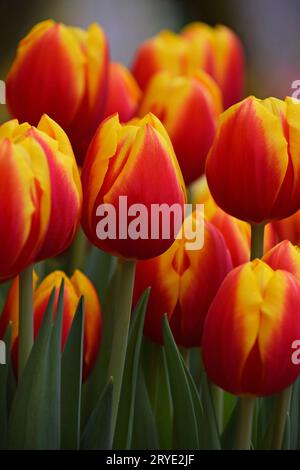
<point x="129" y="165"/>
<point x="61" y="71"/>
<point x="40" y="194"/>
<point x="289" y="228"/>
<point x="123" y="93"/>
<point x="165" y="51"/>
<point x="219" y="52"/>
<point x="183" y="284"/>
<point x="75" y="287"/>
<point x="188" y="106"/>
<point x="253" y="167"/>
<point x="235" y="232"/>
<point x="284" y="256"/>
<point x="250" y="328"/>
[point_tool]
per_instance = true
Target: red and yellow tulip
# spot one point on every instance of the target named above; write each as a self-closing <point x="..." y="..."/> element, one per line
<point x="250" y="328"/>
<point x="75" y="287"/>
<point x="253" y="167"/>
<point x="183" y="284"/>
<point x="289" y="228"/>
<point x="165" y="51"/>
<point x="219" y="52"/>
<point x="61" y="71"/>
<point x="237" y="233"/>
<point x="188" y="106"/>
<point x="40" y="194"/>
<point x="135" y="160"/>
<point x="124" y="93"/>
<point x="284" y="256"/>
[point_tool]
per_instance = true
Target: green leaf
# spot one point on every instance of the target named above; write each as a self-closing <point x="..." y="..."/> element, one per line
<point x="34" y="421"/>
<point x="72" y="360"/>
<point x="295" y="416"/>
<point x="97" y="433"/>
<point x="4" y="288"/>
<point x="205" y="414"/>
<point x="265" y="422"/>
<point x="228" y="435"/>
<point x="229" y="405"/>
<point x="4" y="368"/>
<point x="97" y="381"/>
<point x="185" y="423"/>
<point x="54" y="371"/>
<point x="159" y="390"/>
<point x="100" y="267"/>
<point x="123" y="433"/>
<point x="144" y="433"/>
<point x="286" y="444"/>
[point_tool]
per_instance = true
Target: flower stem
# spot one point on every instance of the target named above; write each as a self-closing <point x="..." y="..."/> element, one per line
<point x="257" y="240"/>
<point x="120" y="336"/>
<point x="25" y="341"/>
<point x="282" y="407"/>
<point x="244" y="423"/>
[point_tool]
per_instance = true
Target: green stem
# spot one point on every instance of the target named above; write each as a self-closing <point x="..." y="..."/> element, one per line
<point x="244" y="423"/>
<point x="257" y="240"/>
<point x="121" y="328"/>
<point x="25" y="340"/>
<point x="282" y="407"/>
<point x="218" y="399"/>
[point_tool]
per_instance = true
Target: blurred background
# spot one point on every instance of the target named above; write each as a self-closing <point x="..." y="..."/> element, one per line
<point x="269" y="30"/>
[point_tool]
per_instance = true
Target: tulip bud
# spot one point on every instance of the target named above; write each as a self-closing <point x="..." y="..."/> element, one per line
<point x="183" y="284"/>
<point x="188" y="107"/>
<point x="250" y="329"/>
<point x="123" y="93"/>
<point x="75" y="287"/>
<point x="289" y="228"/>
<point x="61" y="71"/>
<point x="236" y="233"/>
<point x="284" y="256"/>
<point x="219" y="52"/>
<point x="40" y="193"/>
<point x="253" y="167"/>
<point x="130" y="170"/>
<point x="165" y="51"/>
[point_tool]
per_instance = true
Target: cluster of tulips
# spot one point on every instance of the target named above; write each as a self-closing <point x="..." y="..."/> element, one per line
<point x="205" y="358"/>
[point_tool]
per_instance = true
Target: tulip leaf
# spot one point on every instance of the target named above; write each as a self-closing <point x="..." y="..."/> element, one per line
<point x="72" y="360"/>
<point x="54" y="373"/>
<point x="99" y="268"/>
<point x="205" y="414"/>
<point x="228" y="435"/>
<point x="4" y="370"/>
<point x="185" y="422"/>
<point x="265" y="422"/>
<point x="34" y="421"/>
<point x="158" y="386"/>
<point x="96" y="383"/>
<point x="144" y="433"/>
<point x="286" y="444"/>
<point x="295" y="416"/>
<point x="97" y="433"/>
<point x="124" y="425"/>
<point x="4" y="288"/>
